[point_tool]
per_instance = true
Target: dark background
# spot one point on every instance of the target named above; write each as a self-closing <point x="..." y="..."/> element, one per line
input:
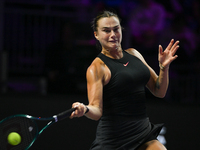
<point x="47" y="45"/>
<point x="181" y="121"/>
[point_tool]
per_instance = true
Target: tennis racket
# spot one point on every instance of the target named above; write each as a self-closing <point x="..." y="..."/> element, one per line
<point x="27" y="127"/>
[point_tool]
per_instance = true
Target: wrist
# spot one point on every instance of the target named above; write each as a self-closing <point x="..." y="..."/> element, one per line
<point x="86" y="110"/>
<point x="163" y="68"/>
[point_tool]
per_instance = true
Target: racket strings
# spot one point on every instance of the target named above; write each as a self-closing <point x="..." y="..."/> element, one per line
<point x="24" y="126"/>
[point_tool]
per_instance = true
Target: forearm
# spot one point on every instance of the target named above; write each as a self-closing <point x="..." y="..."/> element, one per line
<point x="162" y="82"/>
<point x="93" y="113"/>
<point x="159" y="84"/>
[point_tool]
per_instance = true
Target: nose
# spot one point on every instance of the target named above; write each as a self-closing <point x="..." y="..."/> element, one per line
<point x="112" y="33"/>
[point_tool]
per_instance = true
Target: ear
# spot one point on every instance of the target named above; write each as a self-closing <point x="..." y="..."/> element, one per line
<point x="95" y="35"/>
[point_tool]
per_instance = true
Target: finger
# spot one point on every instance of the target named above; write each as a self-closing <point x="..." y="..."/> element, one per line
<point x="79" y="110"/>
<point x="170" y="44"/>
<point x="72" y="115"/>
<point x="176" y="56"/>
<point x="76" y="105"/>
<point x="175" y="45"/>
<point x="174" y="50"/>
<point x="160" y="49"/>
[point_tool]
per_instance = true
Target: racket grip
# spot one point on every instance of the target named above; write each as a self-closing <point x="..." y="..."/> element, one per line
<point x="64" y="114"/>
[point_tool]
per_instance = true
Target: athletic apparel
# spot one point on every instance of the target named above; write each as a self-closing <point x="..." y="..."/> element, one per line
<point x="124" y="124"/>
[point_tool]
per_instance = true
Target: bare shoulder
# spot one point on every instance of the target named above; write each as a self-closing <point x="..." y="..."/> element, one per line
<point x="135" y="53"/>
<point x="96" y="69"/>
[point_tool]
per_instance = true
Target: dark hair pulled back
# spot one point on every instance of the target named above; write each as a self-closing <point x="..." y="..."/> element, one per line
<point x="103" y="14"/>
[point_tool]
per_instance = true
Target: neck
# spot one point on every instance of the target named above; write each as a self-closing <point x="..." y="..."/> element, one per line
<point x="115" y="54"/>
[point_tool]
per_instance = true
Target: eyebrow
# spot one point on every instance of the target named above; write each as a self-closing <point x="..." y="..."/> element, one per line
<point x="110" y="27"/>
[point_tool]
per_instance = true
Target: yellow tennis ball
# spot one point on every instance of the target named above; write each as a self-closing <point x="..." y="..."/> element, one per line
<point x="14" y="138"/>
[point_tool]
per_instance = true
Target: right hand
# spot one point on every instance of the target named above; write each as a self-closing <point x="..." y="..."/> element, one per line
<point x="80" y="110"/>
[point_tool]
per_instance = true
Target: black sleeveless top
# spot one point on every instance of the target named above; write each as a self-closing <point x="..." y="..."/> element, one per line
<point x="125" y="93"/>
<point x="124" y="124"/>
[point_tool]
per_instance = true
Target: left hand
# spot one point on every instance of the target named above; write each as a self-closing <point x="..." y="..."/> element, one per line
<point x="168" y="55"/>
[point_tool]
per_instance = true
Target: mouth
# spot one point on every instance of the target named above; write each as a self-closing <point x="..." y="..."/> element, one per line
<point x="114" y="44"/>
<point x="113" y="41"/>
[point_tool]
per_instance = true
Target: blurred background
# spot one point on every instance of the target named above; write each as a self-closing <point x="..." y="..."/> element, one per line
<point x="47" y="45"/>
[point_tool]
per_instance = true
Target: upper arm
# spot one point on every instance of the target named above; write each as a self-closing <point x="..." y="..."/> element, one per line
<point x="95" y="75"/>
<point x="151" y="84"/>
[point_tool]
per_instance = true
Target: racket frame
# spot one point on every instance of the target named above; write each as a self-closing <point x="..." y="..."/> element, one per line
<point x="51" y="120"/>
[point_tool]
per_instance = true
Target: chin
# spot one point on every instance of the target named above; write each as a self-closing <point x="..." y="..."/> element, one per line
<point x="114" y="46"/>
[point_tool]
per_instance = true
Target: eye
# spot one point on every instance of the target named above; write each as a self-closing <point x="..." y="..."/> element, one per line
<point x="116" y="29"/>
<point x="106" y="30"/>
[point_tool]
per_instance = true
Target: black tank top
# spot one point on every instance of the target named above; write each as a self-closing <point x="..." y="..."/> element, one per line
<point x="124" y="123"/>
<point x="124" y="95"/>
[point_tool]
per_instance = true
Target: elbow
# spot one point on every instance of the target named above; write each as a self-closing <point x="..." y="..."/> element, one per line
<point x="160" y="95"/>
<point x="97" y="119"/>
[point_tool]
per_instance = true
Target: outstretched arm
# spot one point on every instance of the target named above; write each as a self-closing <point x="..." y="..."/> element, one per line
<point x="158" y="84"/>
<point x="94" y="76"/>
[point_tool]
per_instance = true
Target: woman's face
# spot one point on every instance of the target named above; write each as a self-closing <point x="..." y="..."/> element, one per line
<point x="109" y="33"/>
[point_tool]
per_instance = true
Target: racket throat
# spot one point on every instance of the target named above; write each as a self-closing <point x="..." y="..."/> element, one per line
<point x="55" y="118"/>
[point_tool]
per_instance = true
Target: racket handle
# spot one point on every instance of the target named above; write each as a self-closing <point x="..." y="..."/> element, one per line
<point x="64" y="114"/>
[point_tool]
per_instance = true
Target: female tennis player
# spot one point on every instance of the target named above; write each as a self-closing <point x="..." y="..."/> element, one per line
<point x="116" y="81"/>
